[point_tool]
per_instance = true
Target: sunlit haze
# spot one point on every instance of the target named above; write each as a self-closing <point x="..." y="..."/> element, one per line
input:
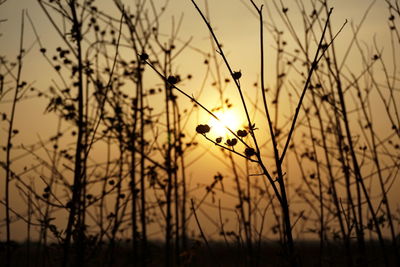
<point x="107" y="141"/>
<point x="226" y="119"/>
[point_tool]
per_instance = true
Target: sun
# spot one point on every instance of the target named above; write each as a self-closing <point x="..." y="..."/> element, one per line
<point x="226" y="118"/>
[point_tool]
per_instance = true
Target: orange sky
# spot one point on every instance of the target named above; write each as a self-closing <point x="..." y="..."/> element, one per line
<point x="234" y="24"/>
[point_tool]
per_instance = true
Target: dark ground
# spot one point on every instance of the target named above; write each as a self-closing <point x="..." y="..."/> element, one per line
<point x="198" y="255"/>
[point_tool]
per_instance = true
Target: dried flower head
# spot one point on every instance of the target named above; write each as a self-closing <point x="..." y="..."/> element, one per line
<point x="202" y="128"/>
<point x="249" y="152"/>
<point x="231" y="142"/>
<point x="236" y="75"/>
<point x="144" y="56"/>
<point x="172" y="79"/>
<point x="242" y="133"/>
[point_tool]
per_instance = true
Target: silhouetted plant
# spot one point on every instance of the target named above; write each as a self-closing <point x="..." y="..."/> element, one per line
<point x="314" y="159"/>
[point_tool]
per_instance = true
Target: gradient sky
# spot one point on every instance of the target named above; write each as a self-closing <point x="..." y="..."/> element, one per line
<point x="235" y="25"/>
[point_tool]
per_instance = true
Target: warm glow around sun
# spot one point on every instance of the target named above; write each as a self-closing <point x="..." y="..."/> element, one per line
<point x="226" y="118"/>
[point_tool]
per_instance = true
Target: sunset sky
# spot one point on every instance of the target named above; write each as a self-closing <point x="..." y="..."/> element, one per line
<point x="234" y="22"/>
<point x="237" y="27"/>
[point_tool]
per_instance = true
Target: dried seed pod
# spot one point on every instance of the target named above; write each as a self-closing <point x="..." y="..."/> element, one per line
<point x="144" y="56"/>
<point x="202" y="128"/>
<point x="172" y="79"/>
<point x="249" y="152"/>
<point x="236" y="75"/>
<point x="242" y="133"/>
<point x="231" y="142"/>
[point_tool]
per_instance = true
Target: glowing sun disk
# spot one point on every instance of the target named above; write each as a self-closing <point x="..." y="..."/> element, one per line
<point x="226" y="118"/>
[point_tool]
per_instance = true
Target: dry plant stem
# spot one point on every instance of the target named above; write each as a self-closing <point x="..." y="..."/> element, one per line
<point x="313" y="66"/>
<point x="142" y="169"/>
<point x="117" y="206"/>
<point x="134" y="194"/>
<point x="53" y="177"/>
<point x="248" y="224"/>
<point x="391" y="103"/>
<point x="134" y="29"/>
<point x="332" y="182"/>
<point x="395" y="6"/>
<point x="176" y="118"/>
<point x="9" y="144"/>
<point x="77" y="184"/>
<point x="377" y="162"/>
<point x="29" y="226"/>
<point x="263" y="216"/>
<point x="262" y="85"/>
<point x="249" y="213"/>
<point x="350" y="212"/>
<point x="279" y="158"/>
<point x="168" y="230"/>
<point x="215" y="60"/>
<point x="222" y="223"/>
<point x="288" y="241"/>
<point x="320" y="192"/>
<point x="203" y="236"/>
<point x="103" y="191"/>
<point x="108" y="87"/>
<point x="134" y="191"/>
<point x="139" y="96"/>
<point x="357" y="171"/>
<point x="240" y="197"/>
<point x="183" y="181"/>
<point x="352" y="221"/>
